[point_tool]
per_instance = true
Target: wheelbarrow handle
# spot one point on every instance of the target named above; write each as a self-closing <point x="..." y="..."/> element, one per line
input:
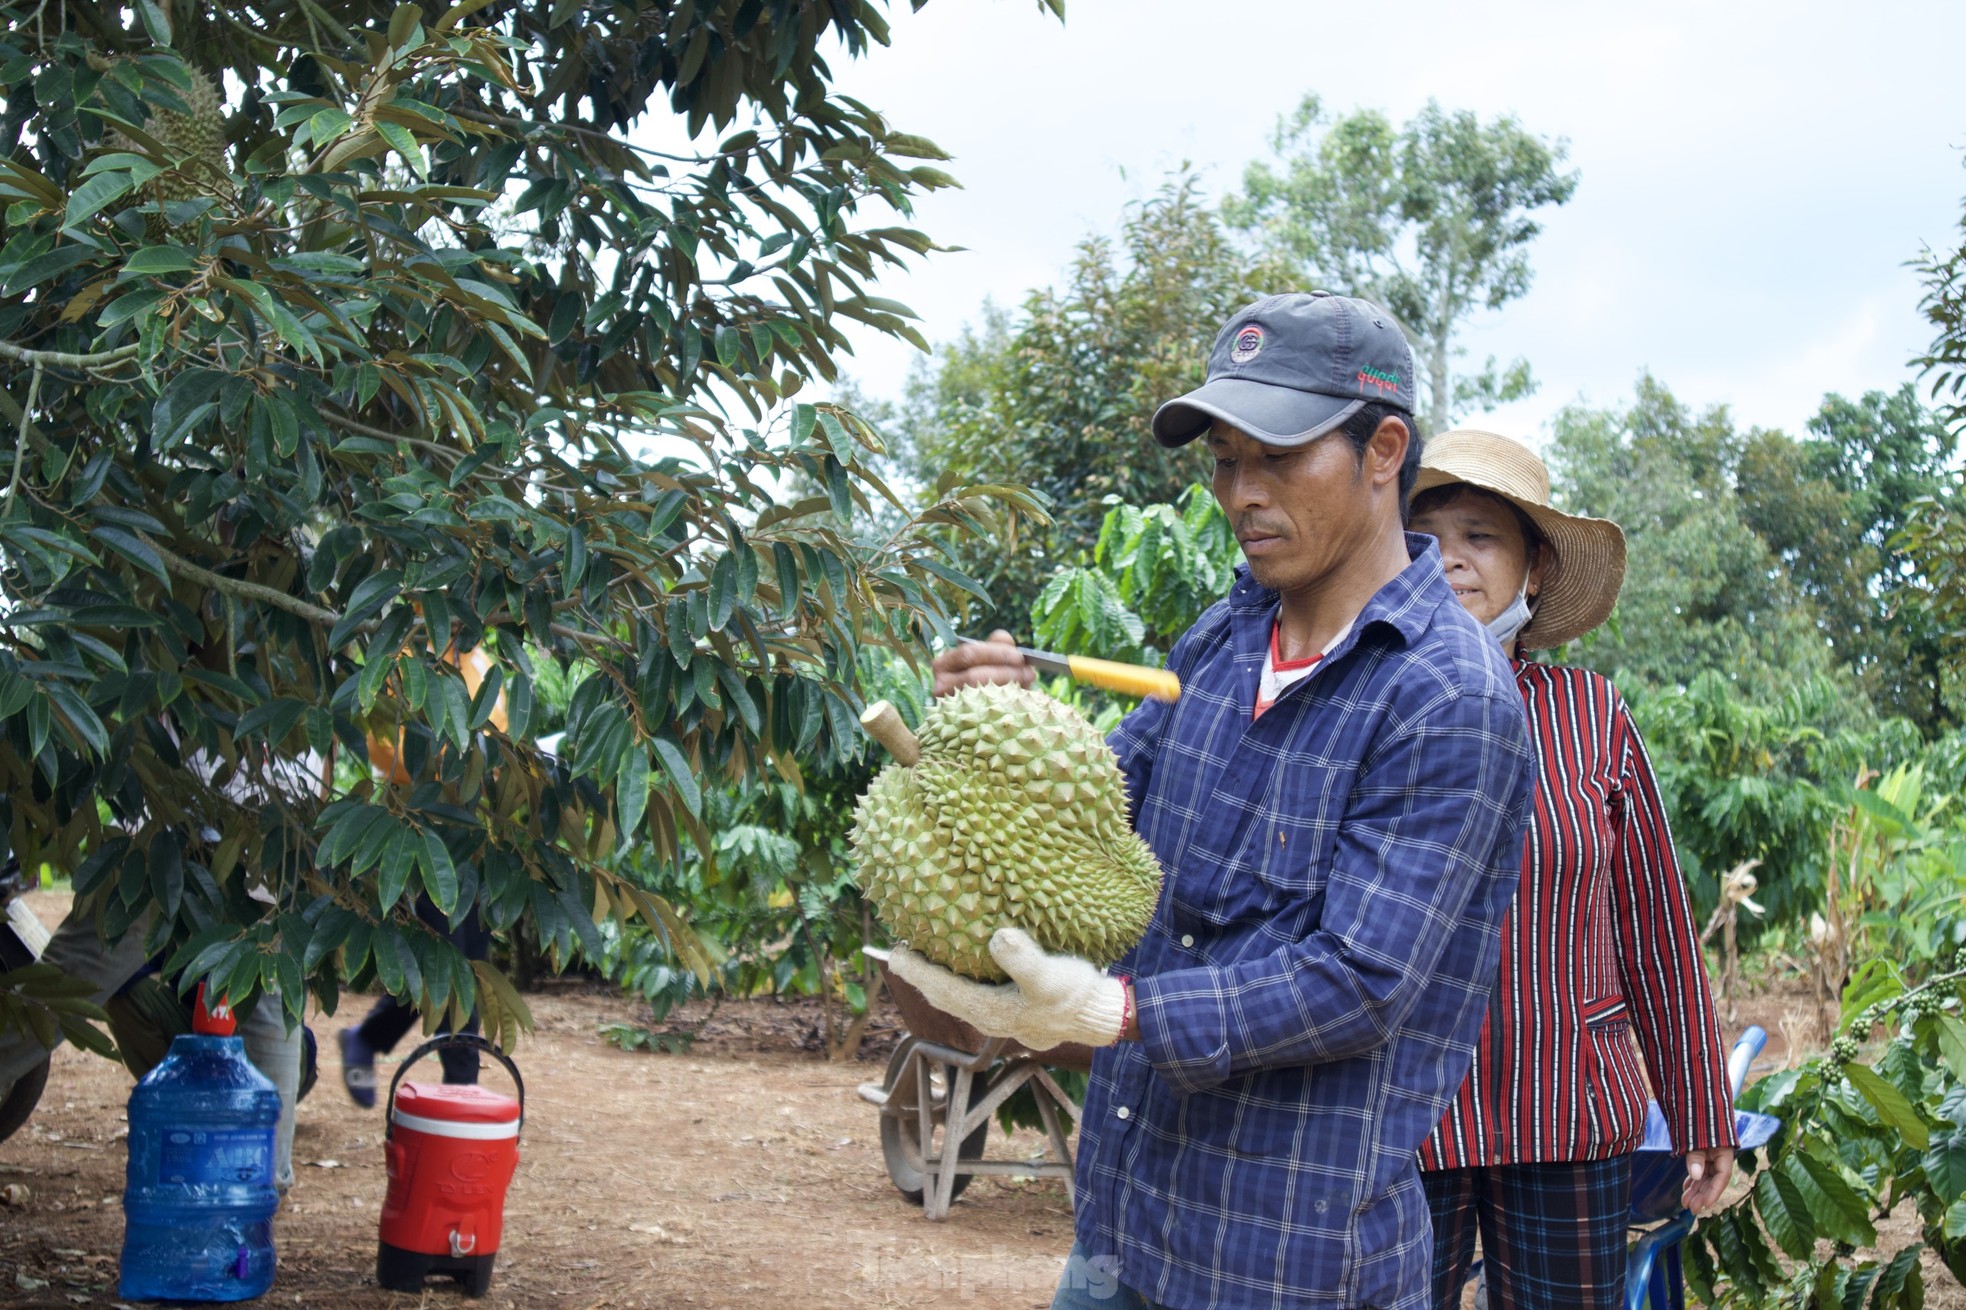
<point x="1746" y="1047"/>
<point x="440" y="1042"/>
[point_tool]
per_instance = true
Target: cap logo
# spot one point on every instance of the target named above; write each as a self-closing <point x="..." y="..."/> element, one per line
<point x="1379" y="378"/>
<point x="1248" y="342"/>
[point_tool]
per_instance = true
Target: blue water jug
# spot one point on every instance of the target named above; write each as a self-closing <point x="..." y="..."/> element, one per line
<point x="199" y="1200"/>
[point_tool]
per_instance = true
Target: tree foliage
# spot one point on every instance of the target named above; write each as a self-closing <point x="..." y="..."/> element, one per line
<point x="1060" y="396"/>
<point x="1432" y="220"/>
<point x="1876" y="1125"/>
<point x="1943" y="271"/>
<point x="1833" y="507"/>
<point x="1935" y="529"/>
<point x="1151" y="574"/>
<point x="1702" y="590"/>
<point x="428" y="356"/>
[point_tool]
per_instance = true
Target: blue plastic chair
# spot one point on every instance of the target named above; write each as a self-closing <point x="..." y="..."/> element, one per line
<point x="1655" y="1278"/>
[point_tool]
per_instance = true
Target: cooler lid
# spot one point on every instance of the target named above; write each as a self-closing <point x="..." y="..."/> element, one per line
<point x="451" y="1103"/>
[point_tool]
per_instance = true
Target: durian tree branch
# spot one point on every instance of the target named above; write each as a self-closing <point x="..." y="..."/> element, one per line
<point x="20" y="442"/>
<point x="326" y="618"/>
<point x="244" y="590"/>
<point x="364" y="430"/>
<point x="62" y="359"/>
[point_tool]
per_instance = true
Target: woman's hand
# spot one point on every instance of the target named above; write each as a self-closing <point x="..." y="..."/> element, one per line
<point x="974" y="663"/>
<point x="1707" y="1173"/>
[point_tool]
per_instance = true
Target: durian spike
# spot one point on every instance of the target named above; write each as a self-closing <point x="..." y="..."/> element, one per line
<point x="883" y="723"/>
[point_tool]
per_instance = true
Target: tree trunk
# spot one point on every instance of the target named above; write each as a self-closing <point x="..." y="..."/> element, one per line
<point x="1437" y="411"/>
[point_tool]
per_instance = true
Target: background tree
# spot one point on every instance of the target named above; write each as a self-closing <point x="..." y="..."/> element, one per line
<point x="1935" y="530"/>
<point x="1833" y="508"/>
<point x="1943" y="271"/>
<point x="1059" y="397"/>
<point x="292" y="419"/>
<point x="1702" y="591"/>
<point x="1431" y="220"/>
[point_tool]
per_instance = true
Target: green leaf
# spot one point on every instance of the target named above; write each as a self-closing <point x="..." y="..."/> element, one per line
<point x="1784" y="1214"/>
<point x="1945" y="1167"/>
<point x="326" y="125"/>
<point x="1901" y="1283"/>
<point x="1952" y="1043"/>
<point x="836" y="436"/>
<point x="680" y="776"/>
<point x="631" y="792"/>
<point x="159" y="259"/>
<point x="730" y="346"/>
<point x="1890" y="1104"/>
<point x="276" y="718"/>
<point x="375" y="591"/>
<point x="100" y="190"/>
<point x="88" y="728"/>
<point x="46" y="267"/>
<point x="439" y="874"/>
<point x="1831" y="1201"/>
<point x="403" y="143"/>
<point x="156" y="19"/>
<point x="397" y="860"/>
<point x="133" y="549"/>
<point x="519" y="706"/>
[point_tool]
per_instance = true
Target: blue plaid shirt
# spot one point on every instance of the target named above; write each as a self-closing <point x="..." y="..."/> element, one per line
<point x="1313" y="983"/>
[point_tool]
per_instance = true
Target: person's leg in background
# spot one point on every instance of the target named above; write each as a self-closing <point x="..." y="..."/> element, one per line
<point x="78" y="950"/>
<point x="474" y="939"/>
<point x="1454" y="1197"/>
<point x="274" y="1050"/>
<point x="1553" y="1235"/>
<point x="391" y="1018"/>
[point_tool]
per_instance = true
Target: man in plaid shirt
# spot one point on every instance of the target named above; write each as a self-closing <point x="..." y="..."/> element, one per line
<point x="1338" y="800"/>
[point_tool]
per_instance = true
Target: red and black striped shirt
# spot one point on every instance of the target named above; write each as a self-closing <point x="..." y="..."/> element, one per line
<point x="1600" y="944"/>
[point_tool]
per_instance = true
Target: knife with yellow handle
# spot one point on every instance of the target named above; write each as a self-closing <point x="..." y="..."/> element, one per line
<point x="1126" y="679"/>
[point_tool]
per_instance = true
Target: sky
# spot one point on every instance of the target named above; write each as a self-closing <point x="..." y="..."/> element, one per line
<point x="1754" y="176"/>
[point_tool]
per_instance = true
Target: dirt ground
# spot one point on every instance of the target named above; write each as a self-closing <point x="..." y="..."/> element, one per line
<point x="745" y="1172"/>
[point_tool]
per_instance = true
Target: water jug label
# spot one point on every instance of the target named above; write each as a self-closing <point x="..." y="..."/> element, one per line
<point x="217" y="1156"/>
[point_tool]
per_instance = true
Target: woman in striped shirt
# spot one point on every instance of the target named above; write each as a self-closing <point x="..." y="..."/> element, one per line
<point x="1535" y="1151"/>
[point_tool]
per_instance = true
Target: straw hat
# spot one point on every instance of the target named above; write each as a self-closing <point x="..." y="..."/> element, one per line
<point x="1584" y="564"/>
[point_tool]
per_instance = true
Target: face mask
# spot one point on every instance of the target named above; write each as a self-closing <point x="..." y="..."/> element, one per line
<point x="1504" y="626"/>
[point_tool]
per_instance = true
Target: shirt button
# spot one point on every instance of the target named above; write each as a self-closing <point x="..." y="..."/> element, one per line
<point x="1187" y="939"/>
<point x="1124" y="1113"/>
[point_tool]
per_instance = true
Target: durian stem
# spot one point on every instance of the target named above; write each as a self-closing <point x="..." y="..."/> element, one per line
<point x="883" y="723"/>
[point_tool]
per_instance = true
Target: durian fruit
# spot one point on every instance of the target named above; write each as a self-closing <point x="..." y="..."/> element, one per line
<point x="1014" y="815"/>
<point x="197" y="135"/>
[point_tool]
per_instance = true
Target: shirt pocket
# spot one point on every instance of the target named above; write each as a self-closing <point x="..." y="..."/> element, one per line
<point x="1615" y="1092"/>
<point x="1216" y="893"/>
<point x="1289" y="849"/>
<point x="1260" y="1116"/>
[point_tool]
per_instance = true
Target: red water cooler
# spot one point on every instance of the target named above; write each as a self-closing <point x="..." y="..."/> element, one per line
<point x="451" y="1153"/>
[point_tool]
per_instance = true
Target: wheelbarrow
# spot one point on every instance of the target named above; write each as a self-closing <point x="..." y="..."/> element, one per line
<point x="943" y="1062"/>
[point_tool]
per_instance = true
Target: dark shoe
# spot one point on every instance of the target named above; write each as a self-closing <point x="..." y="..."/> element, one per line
<point x="357" y="1068"/>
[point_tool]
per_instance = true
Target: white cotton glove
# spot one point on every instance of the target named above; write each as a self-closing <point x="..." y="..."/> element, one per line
<point x="1050" y="1000"/>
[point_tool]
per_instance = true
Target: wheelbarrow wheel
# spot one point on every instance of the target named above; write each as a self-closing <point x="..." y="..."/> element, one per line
<point x="901" y="1130"/>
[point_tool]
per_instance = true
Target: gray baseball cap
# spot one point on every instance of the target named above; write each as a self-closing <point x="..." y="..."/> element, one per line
<point x="1290" y="368"/>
